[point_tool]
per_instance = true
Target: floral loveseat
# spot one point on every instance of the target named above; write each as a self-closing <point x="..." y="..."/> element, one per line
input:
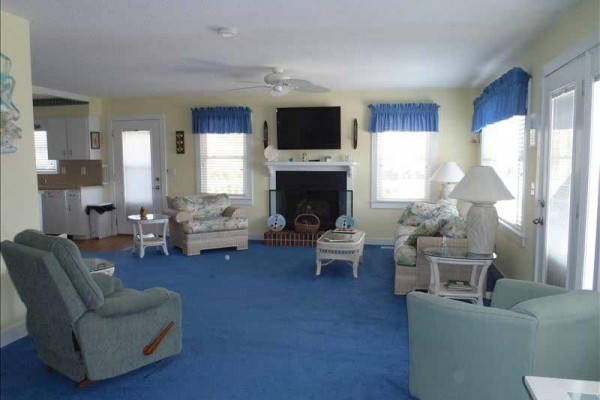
<point x="199" y="222"/>
<point x="424" y="225"/>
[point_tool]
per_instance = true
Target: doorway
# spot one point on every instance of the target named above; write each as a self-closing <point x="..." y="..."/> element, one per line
<point x="138" y="167"/>
<point x="569" y="164"/>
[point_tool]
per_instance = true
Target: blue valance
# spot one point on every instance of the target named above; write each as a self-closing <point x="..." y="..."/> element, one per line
<point x="501" y="99"/>
<point x="409" y="117"/>
<point x="221" y="120"/>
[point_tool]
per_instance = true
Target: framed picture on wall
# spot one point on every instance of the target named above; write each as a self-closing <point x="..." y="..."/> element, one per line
<point x="95" y="136"/>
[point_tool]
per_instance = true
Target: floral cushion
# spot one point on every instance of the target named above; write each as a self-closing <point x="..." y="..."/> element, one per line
<point x="417" y="212"/>
<point x="405" y="255"/>
<point x="201" y="225"/>
<point x="202" y="206"/>
<point x="455" y="227"/>
<point x="427" y="228"/>
<point x="405" y="230"/>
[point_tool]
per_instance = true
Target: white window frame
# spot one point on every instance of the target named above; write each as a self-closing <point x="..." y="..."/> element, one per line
<point x="45" y="171"/>
<point x="515" y="232"/>
<point x="432" y="156"/>
<point x="238" y="200"/>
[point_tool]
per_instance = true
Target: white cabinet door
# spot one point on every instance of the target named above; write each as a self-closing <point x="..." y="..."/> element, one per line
<point x="56" y="129"/>
<point x="74" y="211"/>
<point x="54" y="212"/>
<point x="78" y="138"/>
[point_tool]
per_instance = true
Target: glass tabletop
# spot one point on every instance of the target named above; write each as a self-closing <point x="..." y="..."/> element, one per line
<point x="342" y="236"/>
<point x="148" y="217"/>
<point x="456" y="252"/>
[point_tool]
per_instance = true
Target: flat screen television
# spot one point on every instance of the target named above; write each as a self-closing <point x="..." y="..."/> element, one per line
<point x="301" y="128"/>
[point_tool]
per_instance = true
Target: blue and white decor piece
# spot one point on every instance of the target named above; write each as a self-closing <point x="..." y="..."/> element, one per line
<point x="406" y="117"/>
<point x="276" y="222"/>
<point x="9" y="130"/>
<point x="344" y="223"/>
<point x="222" y="120"/>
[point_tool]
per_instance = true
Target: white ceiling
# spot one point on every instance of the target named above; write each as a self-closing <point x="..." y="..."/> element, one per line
<point x="150" y="47"/>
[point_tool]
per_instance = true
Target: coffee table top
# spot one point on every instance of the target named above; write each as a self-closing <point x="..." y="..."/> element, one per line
<point x="337" y="237"/>
<point x="149" y="218"/>
<point x="459" y="253"/>
<point x="98" y="264"/>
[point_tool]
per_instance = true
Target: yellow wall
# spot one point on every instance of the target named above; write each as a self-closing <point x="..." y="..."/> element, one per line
<point x="454" y="140"/>
<point x="18" y="194"/>
<point x="578" y="23"/>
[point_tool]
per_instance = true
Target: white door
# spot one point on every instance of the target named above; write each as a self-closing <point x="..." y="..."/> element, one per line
<point x="566" y="215"/>
<point x="138" y="170"/>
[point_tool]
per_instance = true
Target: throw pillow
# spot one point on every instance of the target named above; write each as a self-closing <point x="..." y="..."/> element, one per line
<point x="455" y="227"/>
<point x="429" y="227"/>
<point x="418" y="212"/>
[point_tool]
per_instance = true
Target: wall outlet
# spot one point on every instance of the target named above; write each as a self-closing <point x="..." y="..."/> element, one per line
<point x="83" y="170"/>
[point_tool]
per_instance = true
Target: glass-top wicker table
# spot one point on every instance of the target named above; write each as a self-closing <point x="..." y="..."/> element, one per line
<point x="141" y="240"/>
<point x="479" y="263"/>
<point x="346" y="246"/>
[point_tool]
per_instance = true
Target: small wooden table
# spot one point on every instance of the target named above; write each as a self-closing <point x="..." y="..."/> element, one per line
<point x="340" y="246"/>
<point x="459" y="256"/>
<point x="141" y="240"/>
<point x="100" y="266"/>
<point x="542" y="388"/>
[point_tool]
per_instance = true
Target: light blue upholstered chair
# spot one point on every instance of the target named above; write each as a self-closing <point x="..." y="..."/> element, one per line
<point x="88" y="327"/>
<point x="462" y="351"/>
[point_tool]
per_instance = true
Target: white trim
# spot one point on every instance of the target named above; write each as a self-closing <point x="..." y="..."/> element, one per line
<point x="275" y="166"/>
<point x="574" y="51"/>
<point x="59" y="93"/>
<point x="13" y="334"/>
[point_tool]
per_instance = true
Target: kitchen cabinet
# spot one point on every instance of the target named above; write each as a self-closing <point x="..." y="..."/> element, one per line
<point x="69" y="137"/>
<point x="63" y="211"/>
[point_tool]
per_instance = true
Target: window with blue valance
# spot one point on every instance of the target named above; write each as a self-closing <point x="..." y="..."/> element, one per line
<point x="502" y="99"/>
<point x="408" y="117"/>
<point x="221" y="120"/>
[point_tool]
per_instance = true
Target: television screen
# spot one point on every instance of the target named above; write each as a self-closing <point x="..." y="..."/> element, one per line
<point x="308" y="128"/>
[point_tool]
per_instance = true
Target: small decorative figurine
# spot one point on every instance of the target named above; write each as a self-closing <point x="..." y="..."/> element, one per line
<point x="143" y="213"/>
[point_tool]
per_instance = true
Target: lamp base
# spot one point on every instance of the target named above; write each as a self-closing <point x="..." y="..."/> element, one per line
<point x="482" y="225"/>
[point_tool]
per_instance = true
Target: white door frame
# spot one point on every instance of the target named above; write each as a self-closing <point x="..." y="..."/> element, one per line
<point x="162" y="152"/>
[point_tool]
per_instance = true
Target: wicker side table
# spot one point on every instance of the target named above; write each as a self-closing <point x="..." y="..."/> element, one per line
<point x="340" y="246"/>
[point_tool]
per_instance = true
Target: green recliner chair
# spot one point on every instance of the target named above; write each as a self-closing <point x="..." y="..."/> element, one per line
<point x="462" y="351"/>
<point x="88" y="327"/>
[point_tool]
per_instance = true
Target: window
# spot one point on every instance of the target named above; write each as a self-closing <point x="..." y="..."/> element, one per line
<point x="42" y="164"/>
<point x="222" y="165"/>
<point x="503" y="148"/>
<point x="400" y="164"/>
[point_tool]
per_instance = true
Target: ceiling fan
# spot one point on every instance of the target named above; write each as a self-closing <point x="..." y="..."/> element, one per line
<point x="279" y="84"/>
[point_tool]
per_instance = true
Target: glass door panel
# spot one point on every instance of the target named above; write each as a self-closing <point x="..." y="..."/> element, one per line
<point x="137" y="171"/>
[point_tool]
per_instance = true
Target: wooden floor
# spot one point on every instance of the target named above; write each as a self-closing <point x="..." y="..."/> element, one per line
<point x="113" y="243"/>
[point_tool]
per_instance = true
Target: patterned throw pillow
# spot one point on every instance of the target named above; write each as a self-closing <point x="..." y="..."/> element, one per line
<point x="455" y="227"/>
<point x="429" y="227"/>
<point x="405" y="255"/>
<point x="418" y="212"/>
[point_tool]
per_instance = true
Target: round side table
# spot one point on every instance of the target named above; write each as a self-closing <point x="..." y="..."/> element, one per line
<point x="141" y="240"/>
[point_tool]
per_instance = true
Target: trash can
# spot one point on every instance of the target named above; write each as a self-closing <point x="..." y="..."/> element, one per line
<point x="100" y="219"/>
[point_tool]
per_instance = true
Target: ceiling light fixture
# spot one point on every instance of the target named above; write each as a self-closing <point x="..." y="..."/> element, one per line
<point x="279" y="90"/>
<point x="225" y="32"/>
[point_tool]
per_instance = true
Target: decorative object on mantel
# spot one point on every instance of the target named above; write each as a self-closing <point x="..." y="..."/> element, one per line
<point x="307" y="223"/>
<point x="271" y="153"/>
<point x="265" y="134"/>
<point x="304" y="157"/>
<point x="344" y="223"/>
<point x="327" y="158"/>
<point x="355" y="133"/>
<point x="448" y="174"/>
<point x="276" y="222"/>
<point x="9" y="130"/>
<point x="179" y="142"/>
<point x="482" y="187"/>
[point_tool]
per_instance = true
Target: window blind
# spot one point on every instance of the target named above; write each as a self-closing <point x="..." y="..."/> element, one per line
<point x="222" y="163"/>
<point x="43" y="165"/>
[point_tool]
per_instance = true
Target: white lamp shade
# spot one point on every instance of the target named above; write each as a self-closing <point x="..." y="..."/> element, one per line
<point x="481" y="185"/>
<point x="448" y="172"/>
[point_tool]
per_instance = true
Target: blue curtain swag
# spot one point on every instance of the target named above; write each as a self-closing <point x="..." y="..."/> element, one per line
<point x="222" y="120"/>
<point x="407" y="117"/>
<point x="502" y="99"/>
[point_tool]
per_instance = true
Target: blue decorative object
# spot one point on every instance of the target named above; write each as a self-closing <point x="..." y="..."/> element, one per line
<point x="344" y="223"/>
<point x="501" y="99"/>
<point x="409" y="117"/>
<point x="276" y="222"/>
<point x="221" y="120"/>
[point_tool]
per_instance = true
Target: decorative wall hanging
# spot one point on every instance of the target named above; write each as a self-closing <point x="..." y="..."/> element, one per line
<point x="276" y="222"/>
<point x="9" y="130"/>
<point x="179" y="142"/>
<point x="265" y="134"/>
<point x="271" y="153"/>
<point x="95" y="140"/>
<point x="355" y="133"/>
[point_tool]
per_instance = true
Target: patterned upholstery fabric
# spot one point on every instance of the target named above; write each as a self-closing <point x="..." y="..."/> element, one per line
<point x="405" y="255"/>
<point x="405" y="230"/>
<point x="429" y="227"/>
<point x="455" y="227"/>
<point x="202" y="206"/>
<point x="199" y="225"/>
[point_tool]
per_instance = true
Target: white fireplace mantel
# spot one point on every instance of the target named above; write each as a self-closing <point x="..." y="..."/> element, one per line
<point x="274" y="166"/>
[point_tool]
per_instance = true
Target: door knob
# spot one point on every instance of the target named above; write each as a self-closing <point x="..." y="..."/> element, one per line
<point x="538" y="221"/>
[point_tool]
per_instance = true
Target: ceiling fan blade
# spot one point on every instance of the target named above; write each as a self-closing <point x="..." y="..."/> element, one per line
<point x="249" y="88"/>
<point x="314" y="89"/>
<point x="252" y="82"/>
<point x="296" y="83"/>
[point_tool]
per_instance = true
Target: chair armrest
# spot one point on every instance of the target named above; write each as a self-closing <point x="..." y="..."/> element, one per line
<point x="107" y="284"/>
<point x="129" y="301"/>
<point x="179" y="216"/>
<point x="468" y="351"/>
<point x="509" y="292"/>
<point x="234" y="212"/>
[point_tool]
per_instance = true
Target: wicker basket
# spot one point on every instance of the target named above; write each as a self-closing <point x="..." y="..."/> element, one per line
<point x="306" y="223"/>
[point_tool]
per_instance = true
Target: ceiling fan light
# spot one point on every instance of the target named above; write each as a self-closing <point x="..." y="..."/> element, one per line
<point x="279" y="90"/>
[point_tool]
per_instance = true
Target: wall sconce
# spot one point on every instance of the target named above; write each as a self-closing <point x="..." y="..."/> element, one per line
<point x="179" y="142"/>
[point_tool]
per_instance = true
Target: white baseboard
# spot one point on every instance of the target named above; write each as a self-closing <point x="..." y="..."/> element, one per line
<point x="12" y="334"/>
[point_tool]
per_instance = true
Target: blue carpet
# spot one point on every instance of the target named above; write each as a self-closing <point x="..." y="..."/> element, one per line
<point x="260" y="325"/>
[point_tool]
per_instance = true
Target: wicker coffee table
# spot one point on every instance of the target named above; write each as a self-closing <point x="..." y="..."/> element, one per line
<point x="340" y="246"/>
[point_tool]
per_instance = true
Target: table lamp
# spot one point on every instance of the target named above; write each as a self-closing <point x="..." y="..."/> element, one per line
<point x="482" y="187"/>
<point x="448" y="174"/>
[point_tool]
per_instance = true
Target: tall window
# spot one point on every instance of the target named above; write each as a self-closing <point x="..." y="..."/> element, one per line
<point x="222" y="165"/>
<point x="42" y="164"/>
<point x="503" y="148"/>
<point x="400" y="167"/>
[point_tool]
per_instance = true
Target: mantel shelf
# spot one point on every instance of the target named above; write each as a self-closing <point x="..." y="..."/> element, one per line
<point x="347" y="166"/>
